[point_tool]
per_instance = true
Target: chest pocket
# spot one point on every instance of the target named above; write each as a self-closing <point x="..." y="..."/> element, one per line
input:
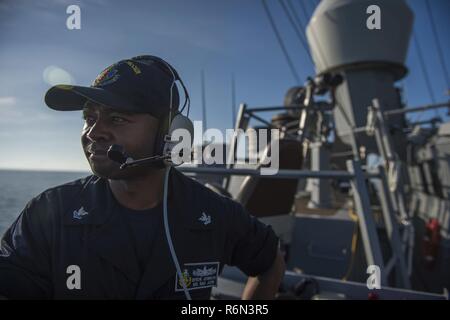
<point x="200" y="243"/>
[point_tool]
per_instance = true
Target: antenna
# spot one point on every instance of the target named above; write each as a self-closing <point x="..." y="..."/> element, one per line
<point x="204" y="126"/>
<point x="233" y="101"/>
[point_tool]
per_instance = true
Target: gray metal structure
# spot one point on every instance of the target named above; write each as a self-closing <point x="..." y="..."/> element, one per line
<point x="341" y="42"/>
<point x="396" y="205"/>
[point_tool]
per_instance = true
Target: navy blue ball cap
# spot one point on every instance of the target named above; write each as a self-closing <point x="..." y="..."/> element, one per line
<point x="141" y="85"/>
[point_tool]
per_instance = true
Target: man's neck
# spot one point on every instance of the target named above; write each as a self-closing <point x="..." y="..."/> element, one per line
<point x="139" y="193"/>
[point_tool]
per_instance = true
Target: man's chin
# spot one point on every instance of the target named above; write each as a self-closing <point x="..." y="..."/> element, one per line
<point x="105" y="171"/>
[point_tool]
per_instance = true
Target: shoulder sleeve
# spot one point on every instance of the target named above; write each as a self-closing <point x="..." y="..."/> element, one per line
<point x="250" y="244"/>
<point x="25" y="253"/>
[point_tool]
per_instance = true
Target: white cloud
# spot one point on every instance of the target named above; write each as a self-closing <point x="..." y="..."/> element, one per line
<point x="7" y="101"/>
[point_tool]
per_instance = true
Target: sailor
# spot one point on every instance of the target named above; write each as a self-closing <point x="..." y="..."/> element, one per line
<point x="104" y="236"/>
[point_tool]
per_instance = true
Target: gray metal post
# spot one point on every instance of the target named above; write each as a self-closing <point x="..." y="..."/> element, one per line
<point x="382" y="133"/>
<point x="393" y="233"/>
<point x="383" y="149"/>
<point x="365" y="219"/>
<point x="241" y="122"/>
<point x="320" y="188"/>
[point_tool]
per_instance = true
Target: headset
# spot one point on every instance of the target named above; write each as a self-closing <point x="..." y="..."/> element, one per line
<point x="172" y="121"/>
<point x="163" y="148"/>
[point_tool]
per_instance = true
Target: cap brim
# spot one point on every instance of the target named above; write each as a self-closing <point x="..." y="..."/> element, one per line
<point x="71" y="98"/>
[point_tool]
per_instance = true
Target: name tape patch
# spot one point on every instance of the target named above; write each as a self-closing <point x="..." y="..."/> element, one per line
<point x="198" y="275"/>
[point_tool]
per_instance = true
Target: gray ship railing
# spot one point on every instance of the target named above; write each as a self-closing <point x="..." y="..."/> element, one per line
<point x="391" y="200"/>
<point x="281" y="174"/>
<point x="417" y="109"/>
<point x="356" y="176"/>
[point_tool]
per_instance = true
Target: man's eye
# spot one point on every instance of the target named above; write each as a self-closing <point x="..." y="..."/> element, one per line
<point x="89" y="119"/>
<point x="116" y="119"/>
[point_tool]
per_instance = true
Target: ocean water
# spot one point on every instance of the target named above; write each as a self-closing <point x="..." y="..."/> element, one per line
<point x="17" y="188"/>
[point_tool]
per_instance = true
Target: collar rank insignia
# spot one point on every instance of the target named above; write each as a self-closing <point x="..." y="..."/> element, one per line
<point x="205" y="219"/>
<point x="80" y="213"/>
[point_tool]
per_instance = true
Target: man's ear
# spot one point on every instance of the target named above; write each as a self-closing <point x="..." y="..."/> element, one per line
<point x="154" y="122"/>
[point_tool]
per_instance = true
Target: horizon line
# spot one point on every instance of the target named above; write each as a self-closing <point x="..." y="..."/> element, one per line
<point x="44" y="170"/>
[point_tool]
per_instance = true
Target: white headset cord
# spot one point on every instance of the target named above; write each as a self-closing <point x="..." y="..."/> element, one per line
<point x="169" y="239"/>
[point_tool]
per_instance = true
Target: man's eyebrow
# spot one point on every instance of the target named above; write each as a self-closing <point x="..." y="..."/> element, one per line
<point x="125" y="113"/>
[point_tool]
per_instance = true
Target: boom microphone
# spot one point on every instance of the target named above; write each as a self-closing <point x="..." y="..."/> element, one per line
<point x="117" y="154"/>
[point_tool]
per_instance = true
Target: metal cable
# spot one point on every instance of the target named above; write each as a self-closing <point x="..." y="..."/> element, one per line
<point x="280" y="41"/>
<point x="425" y="74"/>
<point x="295" y="27"/>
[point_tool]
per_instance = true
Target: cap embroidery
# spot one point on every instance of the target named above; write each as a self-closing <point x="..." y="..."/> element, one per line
<point x="107" y="76"/>
<point x="134" y="67"/>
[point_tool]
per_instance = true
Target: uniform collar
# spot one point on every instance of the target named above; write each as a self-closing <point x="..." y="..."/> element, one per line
<point x="90" y="204"/>
<point x="93" y="205"/>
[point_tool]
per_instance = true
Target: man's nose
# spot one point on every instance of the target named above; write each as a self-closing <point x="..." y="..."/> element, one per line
<point x="98" y="132"/>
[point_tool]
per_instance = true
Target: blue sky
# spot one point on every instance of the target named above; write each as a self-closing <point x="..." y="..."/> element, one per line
<point x="220" y="37"/>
